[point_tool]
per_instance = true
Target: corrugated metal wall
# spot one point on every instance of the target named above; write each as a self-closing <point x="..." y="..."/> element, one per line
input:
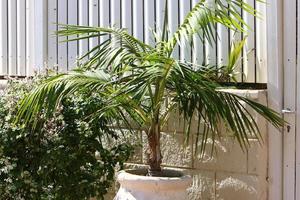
<point x="27" y="39"/>
<point x="15" y="37"/>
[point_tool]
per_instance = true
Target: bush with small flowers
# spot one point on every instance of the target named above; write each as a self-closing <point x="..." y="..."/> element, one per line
<point x="64" y="157"/>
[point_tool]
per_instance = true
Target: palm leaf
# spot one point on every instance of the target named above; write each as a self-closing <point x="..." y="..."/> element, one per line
<point x="197" y="94"/>
<point x="135" y="79"/>
<point x="119" y="48"/>
<point x="202" y="18"/>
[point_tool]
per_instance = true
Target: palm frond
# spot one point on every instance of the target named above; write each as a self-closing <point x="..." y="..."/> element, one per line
<point x="135" y="79"/>
<point x="202" y="18"/>
<point x="46" y="98"/>
<point x="235" y="54"/>
<point x="120" y="47"/>
<point x="228" y="72"/>
<point x="195" y="94"/>
<point x="50" y="93"/>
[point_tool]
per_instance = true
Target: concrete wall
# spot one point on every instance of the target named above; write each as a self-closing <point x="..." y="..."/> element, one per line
<point x="230" y="174"/>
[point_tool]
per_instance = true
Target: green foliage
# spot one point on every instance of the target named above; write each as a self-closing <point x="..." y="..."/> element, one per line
<point x="65" y="157"/>
<point x="146" y="83"/>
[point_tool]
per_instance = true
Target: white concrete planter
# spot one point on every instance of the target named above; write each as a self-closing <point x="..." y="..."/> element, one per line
<point x="139" y="187"/>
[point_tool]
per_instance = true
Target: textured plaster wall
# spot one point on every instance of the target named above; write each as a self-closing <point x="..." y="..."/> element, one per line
<point x="230" y="174"/>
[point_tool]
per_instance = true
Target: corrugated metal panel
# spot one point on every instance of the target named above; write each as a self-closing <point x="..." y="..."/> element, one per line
<point x="223" y="44"/>
<point x="93" y="20"/>
<point x="52" y="27"/>
<point x="3" y="37"/>
<point x="184" y="8"/>
<point x="234" y="38"/>
<point x="62" y="49"/>
<point x="126" y="15"/>
<point x="159" y="14"/>
<point x="12" y="37"/>
<point x="115" y="14"/>
<point x="261" y="44"/>
<point x="72" y="46"/>
<point x="138" y="16"/>
<point x="30" y="64"/>
<point x="149" y="17"/>
<point x="173" y="19"/>
<point x="21" y="38"/>
<point x="249" y="48"/>
<point x="198" y="47"/>
<point x="105" y="19"/>
<point x="138" y="19"/>
<point x="83" y="15"/>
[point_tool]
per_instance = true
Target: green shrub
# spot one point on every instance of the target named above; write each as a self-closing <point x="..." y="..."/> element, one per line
<point x="66" y="157"/>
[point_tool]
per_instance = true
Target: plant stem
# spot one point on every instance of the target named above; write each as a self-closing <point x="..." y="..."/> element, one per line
<point x="155" y="157"/>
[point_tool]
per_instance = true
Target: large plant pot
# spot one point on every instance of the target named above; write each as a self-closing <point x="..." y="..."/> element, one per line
<point x="134" y="185"/>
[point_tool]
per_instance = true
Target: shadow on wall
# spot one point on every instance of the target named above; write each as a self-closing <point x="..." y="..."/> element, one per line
<point x="224" y="176"/>
<point x="237" y="186"/>
<point x="229" y="188"/>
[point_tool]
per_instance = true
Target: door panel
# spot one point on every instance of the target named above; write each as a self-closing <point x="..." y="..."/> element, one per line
<point x="297" y="167"/>
<point x="289" y="100"/>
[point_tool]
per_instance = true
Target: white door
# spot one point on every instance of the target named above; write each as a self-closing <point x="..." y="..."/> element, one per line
<point x="297" y="110"/>
<point x="284" y="95"/>
<point x="291" y="92"/>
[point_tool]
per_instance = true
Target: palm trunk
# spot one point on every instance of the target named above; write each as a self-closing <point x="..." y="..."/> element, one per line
<point x="155" y="158"/>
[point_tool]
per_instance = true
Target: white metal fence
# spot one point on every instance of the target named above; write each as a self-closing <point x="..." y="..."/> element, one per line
<point x="27" y="27"/>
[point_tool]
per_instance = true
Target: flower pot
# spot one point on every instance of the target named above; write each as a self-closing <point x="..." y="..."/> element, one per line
<point x="134" y="185"/>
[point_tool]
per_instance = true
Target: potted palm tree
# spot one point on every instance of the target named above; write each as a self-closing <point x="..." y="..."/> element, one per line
<point x="143" y="84"/>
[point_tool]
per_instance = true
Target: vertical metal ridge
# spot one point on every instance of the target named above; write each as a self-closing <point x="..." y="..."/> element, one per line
<point x="255" y="47"/>
<point x="26" y="36"/>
